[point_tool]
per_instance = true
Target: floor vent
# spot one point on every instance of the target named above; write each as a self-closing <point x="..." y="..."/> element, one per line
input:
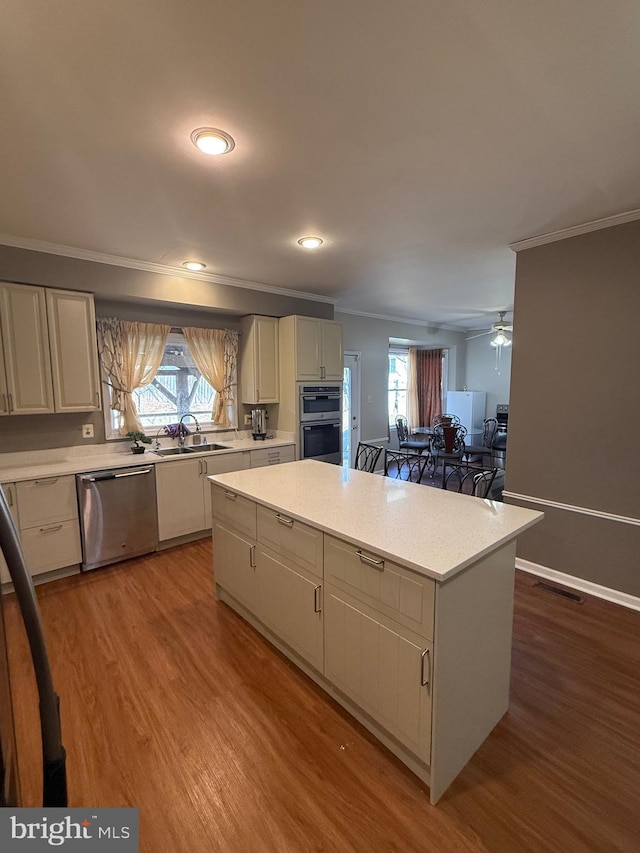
<point x="572" y="596"/>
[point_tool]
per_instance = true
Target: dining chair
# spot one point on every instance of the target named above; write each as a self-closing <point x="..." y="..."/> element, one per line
<point x="445" y="419"/>
<point x="489" y="430"/>
<point x="367" y="456"/>
<point x="405" y="466"/>
<point x="468" y="479"/>
<point x="446" y="446"/>
<point x="406" y="443"/>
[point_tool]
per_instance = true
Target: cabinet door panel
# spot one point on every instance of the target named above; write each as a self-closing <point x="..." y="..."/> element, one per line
<point x="286" y="602"/>
<point x="332" y="356"/>
<point x="295" y="540"/>
<point x="52" y="546"/>
<point x="47" y="500"/>
<point x="308" y="343"/>
<point x="74" y="355"/>
<point x="380" y="669"/>
<point x="232" y="565"/>
<point x="9" y="490"/>
<point x="25" y="339"/>
<point x="180" y="496"/>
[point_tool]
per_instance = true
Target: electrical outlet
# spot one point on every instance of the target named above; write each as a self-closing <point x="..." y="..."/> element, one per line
<point x="247" y="420"/>
<point x="87" y="430"/>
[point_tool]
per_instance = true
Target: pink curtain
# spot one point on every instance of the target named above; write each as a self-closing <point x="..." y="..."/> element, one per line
<point x="429" y="384"/>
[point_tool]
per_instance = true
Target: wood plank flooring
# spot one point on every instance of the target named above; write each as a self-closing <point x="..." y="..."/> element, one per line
<point x="171" y="703"/>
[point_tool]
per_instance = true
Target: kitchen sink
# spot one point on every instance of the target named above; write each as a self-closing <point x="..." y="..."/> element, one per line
<point x="204" y="448"/>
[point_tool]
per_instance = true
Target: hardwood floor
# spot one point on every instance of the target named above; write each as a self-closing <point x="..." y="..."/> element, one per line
<point x="171" y="703"/>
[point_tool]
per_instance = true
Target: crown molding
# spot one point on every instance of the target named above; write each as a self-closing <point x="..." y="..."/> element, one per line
<point x="393" y="319"/>
<point x="575" y="230"/>
<point x="148" y="266"/>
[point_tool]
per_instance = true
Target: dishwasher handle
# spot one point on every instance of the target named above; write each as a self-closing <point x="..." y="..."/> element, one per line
<point x="114" y="475"/>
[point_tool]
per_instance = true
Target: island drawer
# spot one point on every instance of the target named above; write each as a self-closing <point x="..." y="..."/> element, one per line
<point x="47" y="500"/>
<point x="234" y="509"/>
<point x="402" y="595"/>
<point x="290" y="538"/>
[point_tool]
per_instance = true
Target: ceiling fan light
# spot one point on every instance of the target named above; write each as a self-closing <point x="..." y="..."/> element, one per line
<point x="500" y="340"/>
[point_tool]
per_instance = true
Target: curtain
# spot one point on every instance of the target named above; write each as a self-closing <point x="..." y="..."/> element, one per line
<point x="215" y="352"/>
<point x="131" y="354"/>
<point x="429" y="384"/>
<point x="413" y="407"/>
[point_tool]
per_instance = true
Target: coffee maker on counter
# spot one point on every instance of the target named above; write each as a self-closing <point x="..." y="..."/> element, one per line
<point x="259" y="424"/>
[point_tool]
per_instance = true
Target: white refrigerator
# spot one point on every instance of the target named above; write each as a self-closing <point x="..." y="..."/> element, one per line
<point x="470" y="407"/>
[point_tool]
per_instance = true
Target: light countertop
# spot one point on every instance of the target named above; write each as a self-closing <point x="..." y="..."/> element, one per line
<point x="15" y="467"/>
<point x="432" y="531"/>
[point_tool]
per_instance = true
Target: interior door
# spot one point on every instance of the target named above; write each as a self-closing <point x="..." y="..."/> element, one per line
<point x="350" y="408"/>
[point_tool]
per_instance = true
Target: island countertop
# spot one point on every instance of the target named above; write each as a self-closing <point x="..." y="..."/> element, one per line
<point x="434" y="532"/>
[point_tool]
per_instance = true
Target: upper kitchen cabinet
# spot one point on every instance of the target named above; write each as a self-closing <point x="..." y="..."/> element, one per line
<point x="259" y="360"/>
<point x="48" y="357"/>
<point x="314" y="345"/>
<point x="74" y="354"/>
<point x="25" y="346"/>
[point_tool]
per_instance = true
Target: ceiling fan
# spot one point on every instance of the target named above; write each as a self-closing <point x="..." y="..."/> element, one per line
<point x="499" y="329"/>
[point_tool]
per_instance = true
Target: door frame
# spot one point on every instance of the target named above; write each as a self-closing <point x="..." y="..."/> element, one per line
<point x="355" y="403"/>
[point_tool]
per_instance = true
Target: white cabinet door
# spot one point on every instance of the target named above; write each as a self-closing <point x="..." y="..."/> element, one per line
<point x="332" y="360"/>
<point x="180" y="496"/>
<point x="4" y="391"/>
<point x="74" y="354"/>
<point x="9" y="490"/>
<point x="234" y="564"/>
<point x="308" y="342"/>
<point x="259" y="360"/>
<point x="25" y="340"/>
<point x="382" y="667"/>
<point x="289" y="602"/>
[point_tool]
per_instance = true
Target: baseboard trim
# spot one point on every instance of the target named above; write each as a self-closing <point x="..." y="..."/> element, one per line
<point x="588" y="587"/>
<point x="583" y="510"/>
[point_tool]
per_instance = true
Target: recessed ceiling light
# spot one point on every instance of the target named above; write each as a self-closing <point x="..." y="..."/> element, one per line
<point x="194" y="265"/>
<point x="310" y="242"/>
<point x="212" y="141"/>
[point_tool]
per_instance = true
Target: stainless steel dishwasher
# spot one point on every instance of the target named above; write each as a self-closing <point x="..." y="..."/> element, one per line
<point x="118" y="515"/>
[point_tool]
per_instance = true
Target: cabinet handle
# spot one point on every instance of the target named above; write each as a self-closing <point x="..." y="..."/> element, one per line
<point x="200" y="467"/>
<point x="205" y="467"/>
<point x="98" y="399"/>
<point x="10" y="402"/>
<point x="379" y="564"/>
<point x="317" y="599"/>
<point x="51" y="529"/>
<point x="9" y="495"/>
<point x="252" y="556"/>
<point x="230" y="495"/>
<point x="288" y="522"/>
<point x="4" y="402"/>
<point x="48" y="482"/>
<point x="425" y="679"/>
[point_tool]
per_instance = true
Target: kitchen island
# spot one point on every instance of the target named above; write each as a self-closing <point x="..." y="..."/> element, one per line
<point x="397" y="599"/>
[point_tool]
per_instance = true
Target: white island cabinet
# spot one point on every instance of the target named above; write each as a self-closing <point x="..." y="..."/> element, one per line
<point x="406" y="625"/>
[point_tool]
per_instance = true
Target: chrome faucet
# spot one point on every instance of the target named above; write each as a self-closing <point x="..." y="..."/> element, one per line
<point x="181" y="431"/>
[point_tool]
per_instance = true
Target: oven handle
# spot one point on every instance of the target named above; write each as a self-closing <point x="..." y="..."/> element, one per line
<point x="320" y="396"/>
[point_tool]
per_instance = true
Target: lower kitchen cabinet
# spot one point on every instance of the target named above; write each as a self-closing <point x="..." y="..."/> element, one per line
<point x="9" y="490"/>
<point x="272" y="455"/>
<point x="384" y="668"/>
<point x="234" y="564"/>
<point x="289" y="603"/>
<point x="184" y="493"/>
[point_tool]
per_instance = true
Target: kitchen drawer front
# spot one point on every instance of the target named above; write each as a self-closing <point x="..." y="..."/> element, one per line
<point x="234" y="509"/>
<point x="390" y="589"/>
<point x="51" y="546"/>
<point x="272" y="456"/>
<point x="291" y="538"/>
<point x="47" y="500"/>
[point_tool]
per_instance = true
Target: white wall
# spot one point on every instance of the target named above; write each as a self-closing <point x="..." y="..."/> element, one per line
<point x="480" y="373"/>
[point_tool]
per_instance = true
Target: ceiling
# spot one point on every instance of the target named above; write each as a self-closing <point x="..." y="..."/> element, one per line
<point x="418" y="138"/>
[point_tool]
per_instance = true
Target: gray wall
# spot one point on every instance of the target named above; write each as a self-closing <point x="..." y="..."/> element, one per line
<point x="481" y="375"/>
<point x="134" y="295"/>
<point x="575" y="402"/>
<point x="370" y="337"/>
